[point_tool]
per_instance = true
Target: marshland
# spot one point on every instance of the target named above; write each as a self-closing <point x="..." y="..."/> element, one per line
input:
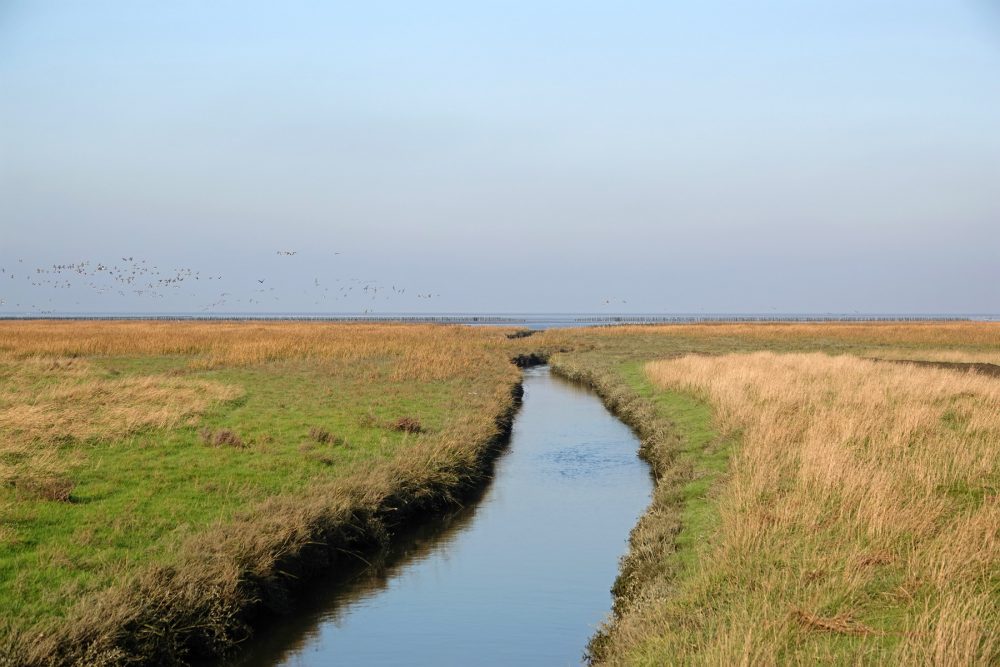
<point x="169" y="488"/>
<point x="499" y="333"/>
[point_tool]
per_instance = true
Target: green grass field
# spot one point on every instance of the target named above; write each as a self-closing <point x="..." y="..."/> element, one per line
<point x="145" y="498"/>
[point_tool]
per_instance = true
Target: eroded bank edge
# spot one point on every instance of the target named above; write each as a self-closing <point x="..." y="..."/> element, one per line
<point x="687" y="458"/>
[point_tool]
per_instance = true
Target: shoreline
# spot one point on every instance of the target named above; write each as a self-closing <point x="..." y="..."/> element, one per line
<point x="661" y="448"/>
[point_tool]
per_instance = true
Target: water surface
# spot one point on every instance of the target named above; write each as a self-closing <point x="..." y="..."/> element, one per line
<point x="520" y="577"/>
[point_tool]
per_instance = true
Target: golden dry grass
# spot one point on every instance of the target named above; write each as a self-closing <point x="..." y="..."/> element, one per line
<point x="85" y="407"/>
<point x="859" y="522"/>
<point x="986" y="334"/>
<point x="416" y="352"/>
<point x="954" y="342"/>
<point x="46" y="401"/>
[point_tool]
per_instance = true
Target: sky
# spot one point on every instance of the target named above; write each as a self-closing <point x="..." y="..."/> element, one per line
<point x="654" y="157"/>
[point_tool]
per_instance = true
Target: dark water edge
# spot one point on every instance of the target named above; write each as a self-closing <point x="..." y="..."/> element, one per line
<point x="369" y="575"/>
<point x="520" y="576"/>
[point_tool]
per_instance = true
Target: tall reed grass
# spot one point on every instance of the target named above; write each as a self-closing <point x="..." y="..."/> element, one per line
<point x="859" y="521"/>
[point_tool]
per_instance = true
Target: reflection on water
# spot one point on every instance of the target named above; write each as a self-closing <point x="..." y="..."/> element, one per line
<point x="521" y="577"/>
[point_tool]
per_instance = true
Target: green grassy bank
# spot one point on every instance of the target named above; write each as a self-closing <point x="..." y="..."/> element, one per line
<point x="154" y="503"/>
<point x="688" y="458"/>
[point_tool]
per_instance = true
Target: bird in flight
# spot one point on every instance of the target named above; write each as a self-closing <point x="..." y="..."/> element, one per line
<point x="260" y="280"/>
<point x="287" y="253"/>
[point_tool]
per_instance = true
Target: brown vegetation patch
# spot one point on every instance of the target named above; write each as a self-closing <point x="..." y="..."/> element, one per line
<point x="522" y="333"/>
<point x="527" y="360"/>
<point x="961" y="366"/>
<point x="321" y="435"/>
<point x="840" y="623"/>
<point x="325" y="437"/>
<point x="408" y="425"/>
<point x="222" y="437"/>
<point x="46" y="487"/>
<point x="874" y="559"/>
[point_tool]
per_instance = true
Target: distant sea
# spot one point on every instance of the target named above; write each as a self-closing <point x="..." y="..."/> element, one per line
<point x="525" y="320"/>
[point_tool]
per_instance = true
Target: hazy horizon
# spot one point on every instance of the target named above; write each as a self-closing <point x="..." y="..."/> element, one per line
<point x="511" y="158"/>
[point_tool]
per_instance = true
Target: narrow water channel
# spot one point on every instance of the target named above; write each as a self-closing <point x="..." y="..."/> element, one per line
<point x="520" y="577"/>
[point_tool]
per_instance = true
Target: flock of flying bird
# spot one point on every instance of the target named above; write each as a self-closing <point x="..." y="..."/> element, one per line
<point x="141" y="278"/>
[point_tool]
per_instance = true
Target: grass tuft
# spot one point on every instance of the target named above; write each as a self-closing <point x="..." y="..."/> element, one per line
<point x="223" y="437"/>
<point x="841" y="623"/>
<point x="408" y="425"/>
<point x="320" y="435"/>
<point x="54" y="488"/>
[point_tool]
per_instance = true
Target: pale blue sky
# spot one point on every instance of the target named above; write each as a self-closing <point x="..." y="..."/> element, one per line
<point x="516" y="156"/>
